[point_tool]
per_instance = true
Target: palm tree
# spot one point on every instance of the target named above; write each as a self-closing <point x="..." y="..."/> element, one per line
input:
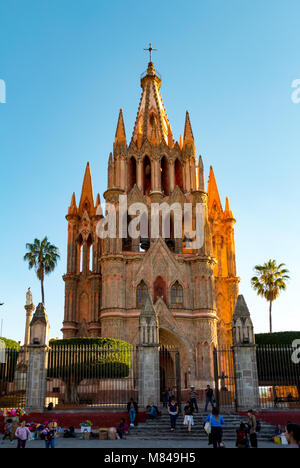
<point x="269" y="281"/>
<point x="43" y="257"/>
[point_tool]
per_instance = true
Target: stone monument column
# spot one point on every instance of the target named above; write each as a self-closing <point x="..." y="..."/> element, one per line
<point x="29" y="307"/>
<point x="245" y="361"/>
<point x="37" y="361"/>
<point x="149" y="373"/>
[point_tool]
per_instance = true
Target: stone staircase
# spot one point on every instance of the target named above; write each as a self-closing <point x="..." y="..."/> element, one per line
<point x="159" y="429"/>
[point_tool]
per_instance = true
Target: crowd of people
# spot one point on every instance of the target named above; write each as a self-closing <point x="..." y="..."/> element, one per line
<point x="246" y="434"/>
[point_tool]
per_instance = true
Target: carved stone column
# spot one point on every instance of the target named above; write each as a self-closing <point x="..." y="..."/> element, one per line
<point x="37" y="361"/>
<point x="246" y="374"/>
<point x="149" y="372"/>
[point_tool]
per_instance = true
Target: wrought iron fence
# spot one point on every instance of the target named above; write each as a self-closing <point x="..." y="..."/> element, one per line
<point x="13" y="379"/>
<point x="278" y="376"/>
<point x="91" y="376"/>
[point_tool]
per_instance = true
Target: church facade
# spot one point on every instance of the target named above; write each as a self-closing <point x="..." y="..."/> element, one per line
<point x="194" y="291"/>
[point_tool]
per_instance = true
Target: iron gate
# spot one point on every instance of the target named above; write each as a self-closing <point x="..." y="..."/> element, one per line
<point x="170" y="374"/>
<point x="224" y="374"/>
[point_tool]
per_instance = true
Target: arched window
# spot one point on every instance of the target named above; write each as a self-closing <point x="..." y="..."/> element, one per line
<point x="160" y="289"/>
<point x="147" y="175"/>
<point x="164" y="170"/>
<point x="178" y="174"/>
<point x="141" y="294"/>
<point x="131" y="173"/>
<point x="177" y="294"/>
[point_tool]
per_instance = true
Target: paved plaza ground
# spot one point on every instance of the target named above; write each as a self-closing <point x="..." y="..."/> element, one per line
<point x="129" y="443"/>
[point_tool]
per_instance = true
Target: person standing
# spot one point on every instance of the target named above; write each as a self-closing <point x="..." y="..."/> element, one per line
<point x="252" y="429"/>
<point x="132" y="409"/>
<point x="22" y="434"/>
<point x="193" y="399"/>
<point x="188" y="416"/>
<point x="209" y="397"/>
<point x="216" y="422"/>
<point x="50" y="434"/>
<point x="173" y="410"/>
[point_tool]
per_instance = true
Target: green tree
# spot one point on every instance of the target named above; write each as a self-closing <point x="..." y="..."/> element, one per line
<point x="269" y="280"/>
<point x="43" y="257"/>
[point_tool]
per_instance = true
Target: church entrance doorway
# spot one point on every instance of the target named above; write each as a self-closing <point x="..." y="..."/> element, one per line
<point x="170" y="377"/>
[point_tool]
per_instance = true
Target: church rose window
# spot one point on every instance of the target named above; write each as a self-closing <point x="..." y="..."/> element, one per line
<point x="141" y="294"/>
<point x="177" y="294"/>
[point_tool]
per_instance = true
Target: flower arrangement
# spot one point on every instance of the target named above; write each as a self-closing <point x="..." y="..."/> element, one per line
<point x="13" y="413"/>
<point x="86" y="423"/>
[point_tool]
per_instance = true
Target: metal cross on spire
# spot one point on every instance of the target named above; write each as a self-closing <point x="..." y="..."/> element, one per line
<point x="150" y="50"/>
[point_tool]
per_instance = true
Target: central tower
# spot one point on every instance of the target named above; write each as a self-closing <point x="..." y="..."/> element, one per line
<point x="108" y="280"/>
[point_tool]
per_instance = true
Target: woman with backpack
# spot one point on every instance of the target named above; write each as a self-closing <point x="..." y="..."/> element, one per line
<point x="213" y="426"/>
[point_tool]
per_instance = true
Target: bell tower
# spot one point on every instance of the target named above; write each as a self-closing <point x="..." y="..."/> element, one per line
<point x="83" y="277"/>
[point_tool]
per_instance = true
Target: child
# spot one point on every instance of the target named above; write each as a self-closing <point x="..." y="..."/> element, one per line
<point x="8" y="430"/>
<point x="122" y="429"/>
<point x="22" y="434"/>
<point x="241" y="437"/>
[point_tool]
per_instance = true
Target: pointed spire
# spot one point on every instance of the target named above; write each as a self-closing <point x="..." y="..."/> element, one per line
<point x="98" y="201"/>
<point x="151" y="112"/>
<point x="241" y="309"/>
<point x="213" y="193"/>
<point x="170" y="137"/>
<point x="98" y="207"/>
<point x="201" y="182"/>
<point x="87" y="197"/>
<point x="228" y="213"/>
<point x="120" y="132"/>
<point x="73" y="207"/>
<point x="180" y="142"/>
<point x="148" y="309"/>
<point x="188" y="138"/>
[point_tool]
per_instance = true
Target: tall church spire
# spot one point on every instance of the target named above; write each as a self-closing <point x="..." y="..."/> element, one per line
<point x="151" y="117"/>
<point x="87" y="197"/>
<point x="214" y="201"/>
<point x="72" y="208"/>
<point x="228" y="213"/>
<point x="188" y="138"/>
<point x="120" y="132"/>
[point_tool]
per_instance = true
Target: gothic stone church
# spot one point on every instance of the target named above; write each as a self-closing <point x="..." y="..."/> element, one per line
<point x="194" y="292"/>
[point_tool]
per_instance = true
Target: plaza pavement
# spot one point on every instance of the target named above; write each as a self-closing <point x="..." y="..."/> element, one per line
<point x="128" y="443"/>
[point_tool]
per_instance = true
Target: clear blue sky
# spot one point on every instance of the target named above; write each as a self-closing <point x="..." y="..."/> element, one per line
<point x="69" y="65"/>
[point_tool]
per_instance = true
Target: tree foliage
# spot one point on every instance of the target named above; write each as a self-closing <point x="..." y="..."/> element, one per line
<point x="43" y="257"/>
<point x="269" y="280"/>
<point x="10" y="344"/>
